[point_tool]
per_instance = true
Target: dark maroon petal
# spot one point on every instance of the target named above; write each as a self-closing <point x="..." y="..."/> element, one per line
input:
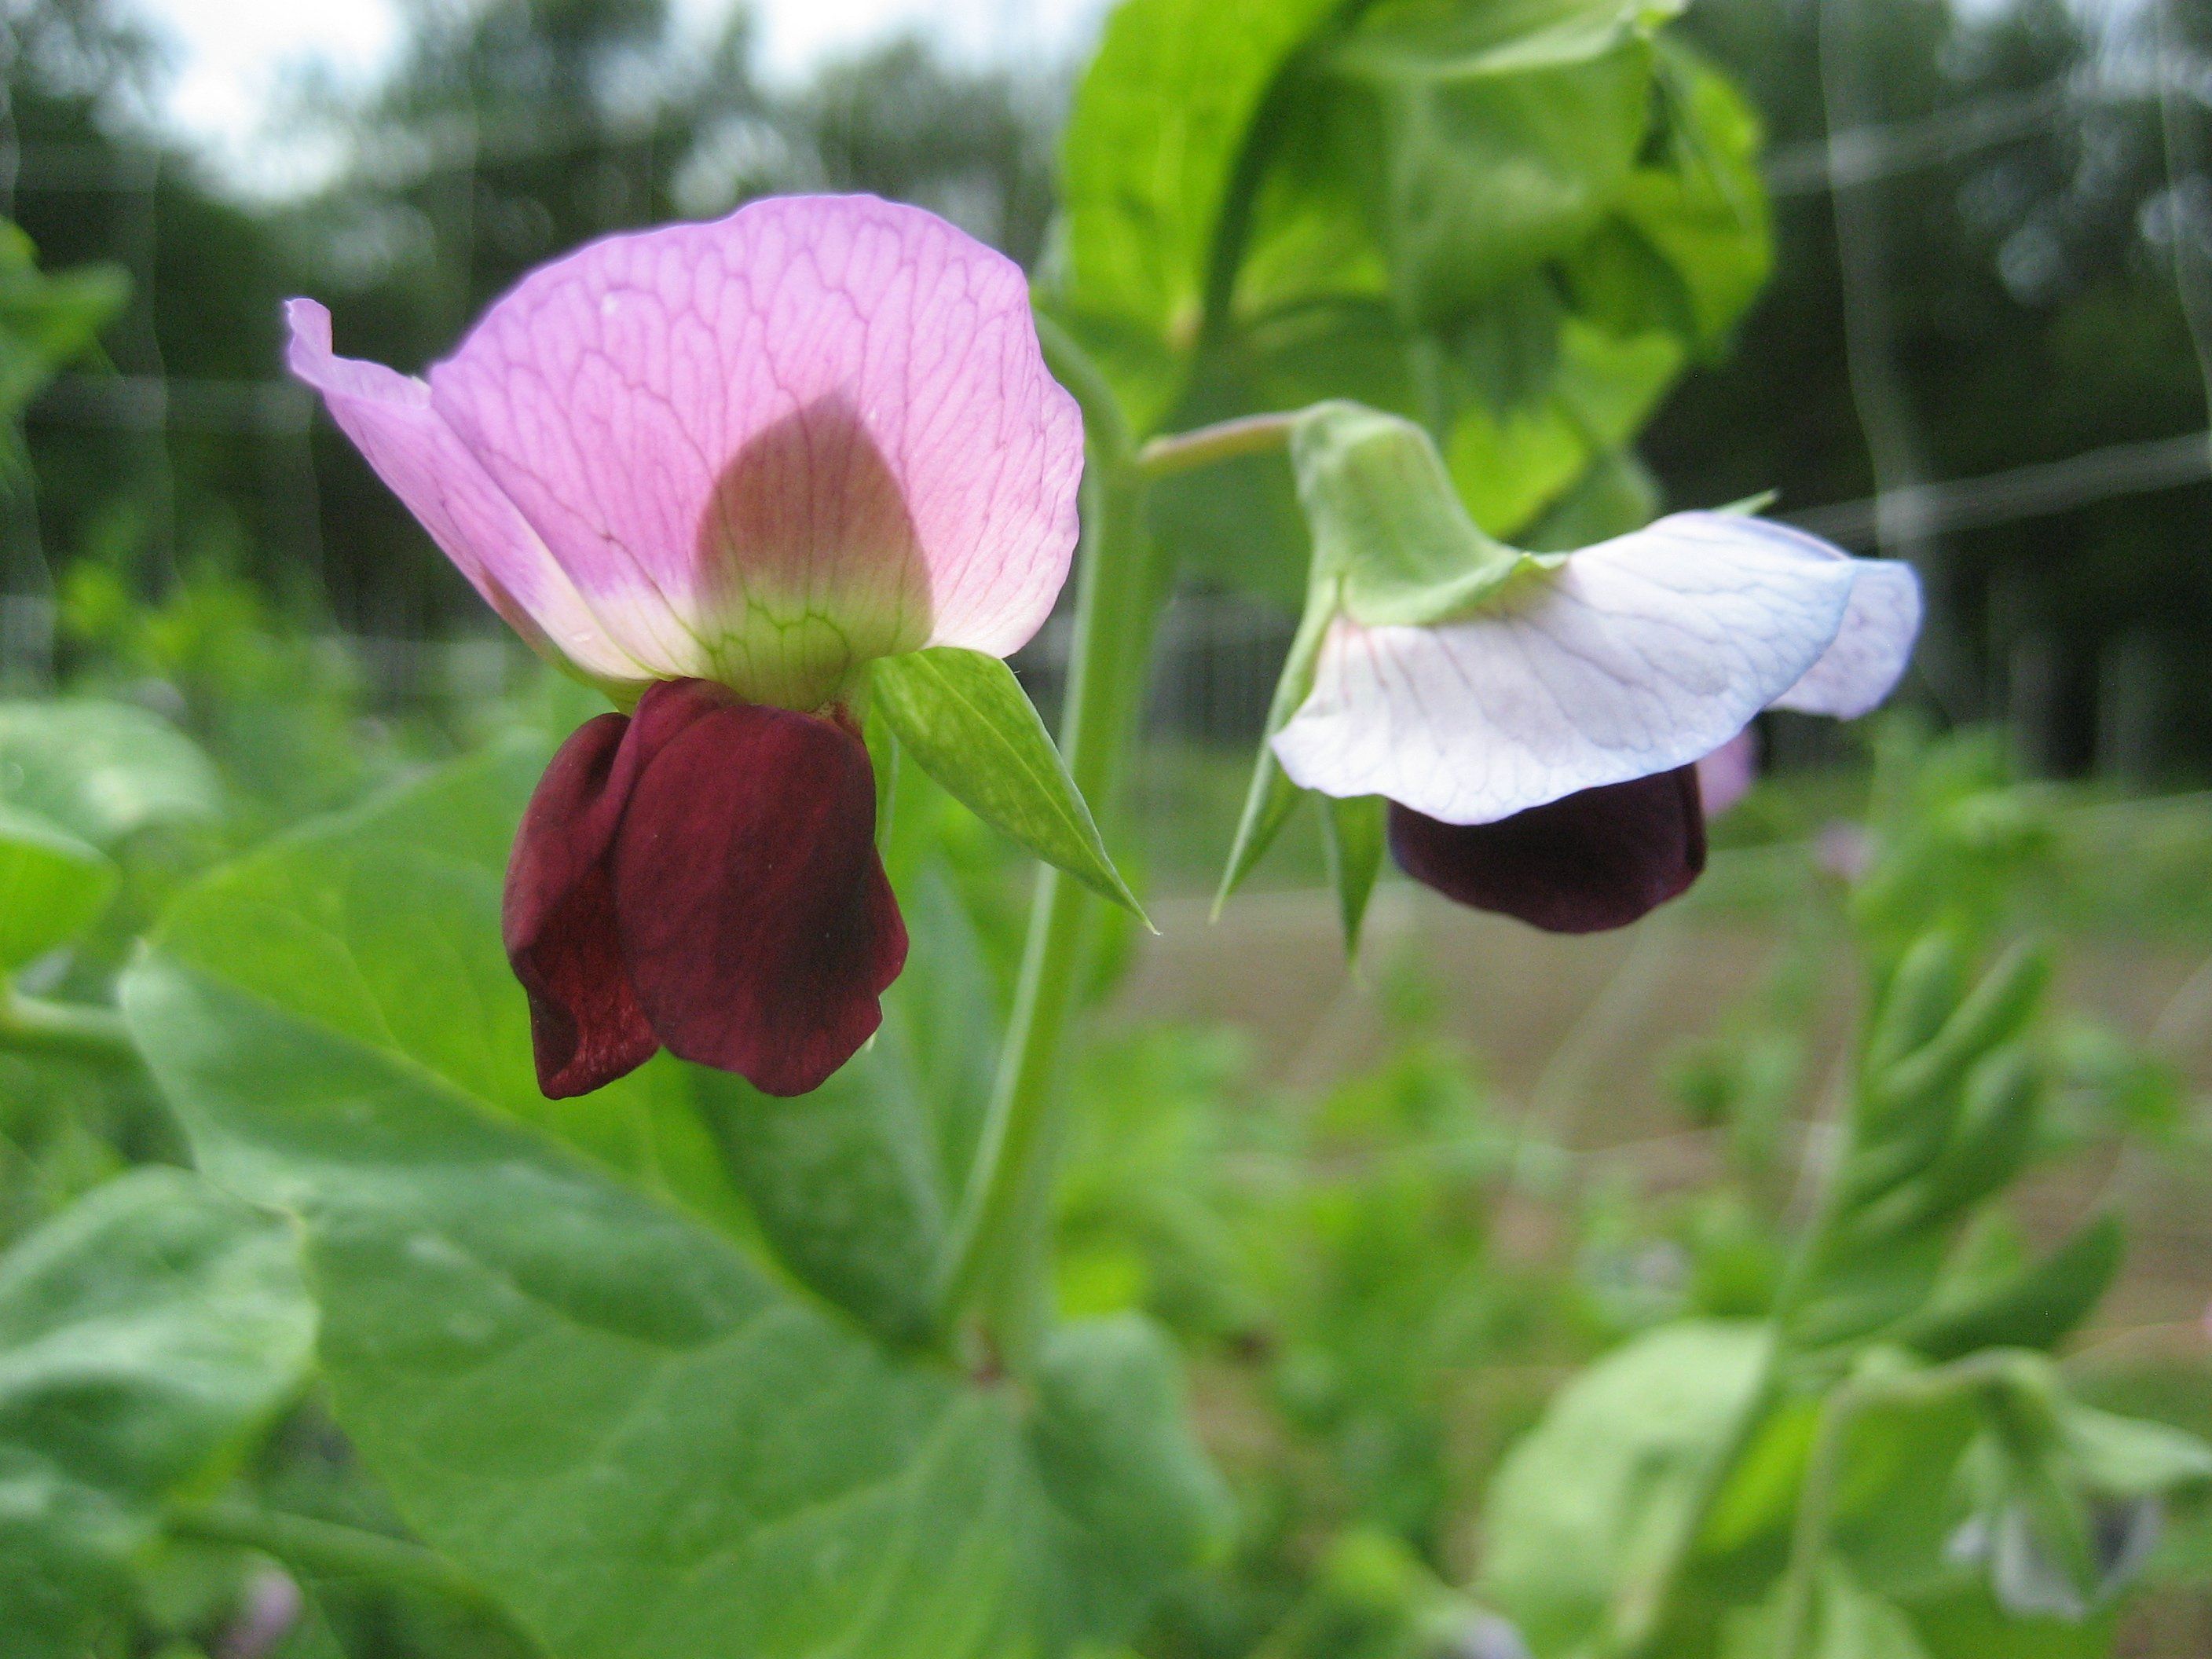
<point x="756" y="919"/>
<point x="1591" y="860"/>
<point x="558" y="918"/>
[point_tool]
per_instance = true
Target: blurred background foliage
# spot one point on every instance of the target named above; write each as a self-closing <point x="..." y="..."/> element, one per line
<point x="1477" y="1254"/>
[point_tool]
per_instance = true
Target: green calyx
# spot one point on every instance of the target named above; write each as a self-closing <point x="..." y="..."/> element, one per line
<point x="1393" y="546"/>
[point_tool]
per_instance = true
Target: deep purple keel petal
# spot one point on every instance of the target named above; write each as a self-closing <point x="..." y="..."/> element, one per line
<point x="558" y="918"/>
<point x="756" y="919"/>
<point x="1598" y="859"/>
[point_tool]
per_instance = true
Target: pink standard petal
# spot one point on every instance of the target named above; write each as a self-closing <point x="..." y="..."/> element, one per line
<point x="391" y="421"/>
<point x="766" y="448"/>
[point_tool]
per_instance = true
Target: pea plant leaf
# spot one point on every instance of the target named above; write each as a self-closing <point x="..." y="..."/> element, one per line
<point x="52" y="886"/>
<point x="1583" y="1508"/>
<point x="1150" y="161"/>
<point x="964" y="718"/>
<point x="572" y="1383"/>
<point x="102" y="771"/>
<point x="1505" y="134"/>
<point x="147" y="1335"/>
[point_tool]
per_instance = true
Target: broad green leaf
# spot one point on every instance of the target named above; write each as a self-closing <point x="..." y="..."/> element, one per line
<point x="964" y="718"/>
<point x="1585" y="1506"/>
<point x="102" y="771"/>
<point x="1110" y="1434"/>
<point x="1355" y="833"/>
<point x="52" y="887"/>
<point x="593" y="1403"/>
<point x="1152" y="151"/>
<point x="146" y="1334"/>
<point x="381" y="926"/>
<point x="852" y="1185"/>
<point x="1847" y="1622"/>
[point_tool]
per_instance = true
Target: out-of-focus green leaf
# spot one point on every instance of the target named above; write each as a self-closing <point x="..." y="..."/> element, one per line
<point x="374" y="926"/>
<point x="1152" y="151"/>
<point x="1502" y="134"/>
<point x="48" y="321"/>
<point x="1615" y="495"/>
<point x="1848" y="1622"/>
<point x="102" y="771"/>
<point x="2038" y="1307"/>
<point x="1112" y="1434"/>
<point x="594" y="1404"/>
<point x="52" y="887"/>
<point x="146" y="1333"/>
<point x="1584" y="1507"/>
<point x="964" y="718"/>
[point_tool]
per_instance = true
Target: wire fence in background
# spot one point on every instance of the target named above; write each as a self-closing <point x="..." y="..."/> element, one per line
<point x="1219" y="653"/>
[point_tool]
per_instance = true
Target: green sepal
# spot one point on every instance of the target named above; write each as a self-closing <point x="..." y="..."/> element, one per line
<point x="884" y="760"/>
<point x="1354" y="832"/>
<point x="1393" y="546"/>
<point x="1391" y="541"/>
<point x="967" y="722"/>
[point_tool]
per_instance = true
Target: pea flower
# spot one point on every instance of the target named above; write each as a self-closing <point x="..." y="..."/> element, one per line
<point x="1536" y="722"/>
<point x="719" y="470"/>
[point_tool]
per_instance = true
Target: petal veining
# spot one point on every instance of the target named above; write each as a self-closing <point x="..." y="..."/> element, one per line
<point x="814" y="362"/>
<point x="1871" y="649"/>
<point x="1638" y="656"/>
<point x="391" y="421"/>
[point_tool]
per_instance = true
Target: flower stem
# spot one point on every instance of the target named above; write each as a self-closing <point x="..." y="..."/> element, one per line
<point x="1816" y="1498"/>
<point x="1186" y="451"/>
<point x="997" y="1255"/>
<point x="63" y="1030"/>
<point x="325" y="1549"/>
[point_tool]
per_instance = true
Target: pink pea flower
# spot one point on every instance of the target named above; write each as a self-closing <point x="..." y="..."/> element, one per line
<point x="718" y="468"/>
<point x="1541" y="757"/>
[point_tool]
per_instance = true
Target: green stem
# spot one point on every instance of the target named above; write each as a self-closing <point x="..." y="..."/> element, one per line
<point x="1816" y="1498"/>
<point x="1208" y="446"/>
<point x="996" y="1259"/>
<point x="65" y="1031"/>
<point x="325" y="1549"/>
<point x="1642" y="1614"/>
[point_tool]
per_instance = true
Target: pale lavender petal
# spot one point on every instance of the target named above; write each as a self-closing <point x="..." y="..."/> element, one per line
<point x="816" y="431"/>
<point x="1637" y="655"/>
<point x="1871" y="649"/>
<point x="391" y="421"/>
<point x="1725" y="776"/>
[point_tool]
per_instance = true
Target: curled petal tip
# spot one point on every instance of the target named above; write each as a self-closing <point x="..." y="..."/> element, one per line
<point x="1872" y="648"/>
